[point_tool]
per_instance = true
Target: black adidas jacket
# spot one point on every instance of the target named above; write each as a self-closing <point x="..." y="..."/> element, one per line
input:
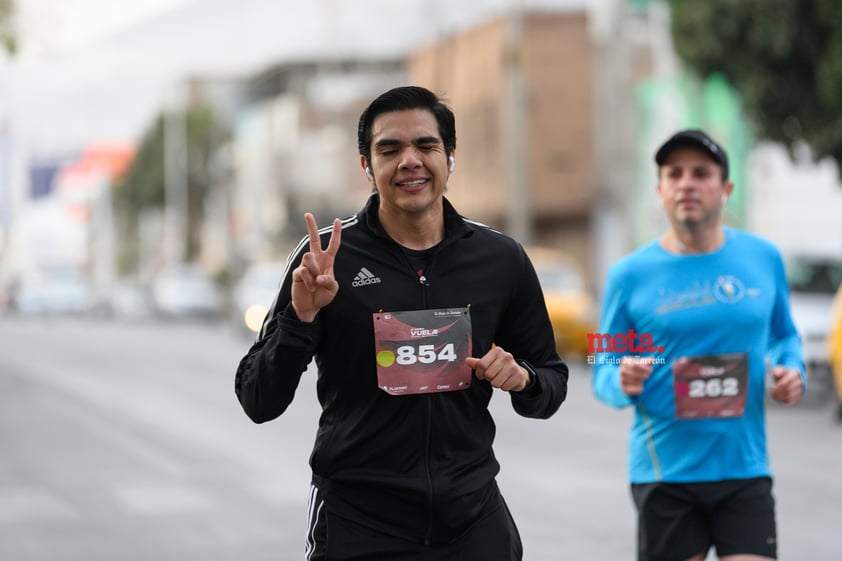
<point x="416" y="466"/>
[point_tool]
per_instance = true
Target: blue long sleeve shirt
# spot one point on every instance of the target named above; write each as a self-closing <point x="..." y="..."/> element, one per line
<point x="733" y="301"/>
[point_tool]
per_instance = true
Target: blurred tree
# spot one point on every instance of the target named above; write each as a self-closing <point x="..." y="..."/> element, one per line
<point x="143" y="185"/>
<point x="783" y="56"/>
<point x="8" y="40"/>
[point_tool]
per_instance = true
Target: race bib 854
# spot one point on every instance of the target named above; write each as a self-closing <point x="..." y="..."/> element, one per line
<point x="422" y="351"/>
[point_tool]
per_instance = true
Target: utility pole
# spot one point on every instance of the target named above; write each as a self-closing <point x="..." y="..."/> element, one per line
<point x="102" y="244"/>
<point x="7" y="145"/>
<point x="175" y="178"/>
<point x="519" y="212"/>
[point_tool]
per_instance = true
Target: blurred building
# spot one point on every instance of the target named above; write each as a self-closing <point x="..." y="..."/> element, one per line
<point x="65" y="223"/>
<point x="544" y="110"/>
<point x="558" y="115"/>
<point x="796" y="204"/>
<point x="294" y="150"/>
<point x="522" y="89"/>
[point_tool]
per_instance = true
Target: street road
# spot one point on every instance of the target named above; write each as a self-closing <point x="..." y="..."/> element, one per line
<point x="124" y="442"/>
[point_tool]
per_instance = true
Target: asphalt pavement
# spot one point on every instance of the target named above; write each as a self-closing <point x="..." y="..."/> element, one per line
<point x="124" y="442"/>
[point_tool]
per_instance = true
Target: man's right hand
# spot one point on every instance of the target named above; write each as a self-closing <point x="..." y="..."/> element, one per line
<point x="633" y="372"/>
<point x="313" y="284"/>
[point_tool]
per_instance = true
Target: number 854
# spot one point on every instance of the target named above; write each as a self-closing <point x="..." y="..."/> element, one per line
<point x="425" y="354"/>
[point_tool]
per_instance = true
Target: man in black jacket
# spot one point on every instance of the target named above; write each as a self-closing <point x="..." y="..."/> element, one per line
<point x="414" y="315"/>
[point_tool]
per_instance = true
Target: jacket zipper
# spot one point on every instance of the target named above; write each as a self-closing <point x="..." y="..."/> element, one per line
<point x="429" y="538"/>
<point x="425" y="283"/>
<point x="422" y="279"/>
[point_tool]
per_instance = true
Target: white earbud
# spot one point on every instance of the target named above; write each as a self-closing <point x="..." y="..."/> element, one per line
<point x="368" y="174"/>
<point x="724" y="199"/>
<point x="452" y="161"/>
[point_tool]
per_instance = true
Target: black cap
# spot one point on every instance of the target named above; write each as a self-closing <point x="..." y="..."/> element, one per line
<point x="696" y="139"/>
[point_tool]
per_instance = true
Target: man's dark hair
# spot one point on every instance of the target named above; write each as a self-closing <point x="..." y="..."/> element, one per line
<point x="401" y="99"/>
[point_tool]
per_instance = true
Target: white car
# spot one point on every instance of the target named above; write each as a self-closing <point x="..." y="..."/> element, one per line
<point x="64" y="291"/>
<point x="812" y="284"/>
<point x="255" y="292"/>
<point x="187" y="291"/>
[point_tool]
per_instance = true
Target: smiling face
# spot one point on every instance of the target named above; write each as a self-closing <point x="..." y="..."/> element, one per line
<point x="691" y="187"/>
<point x="409" y="164"/>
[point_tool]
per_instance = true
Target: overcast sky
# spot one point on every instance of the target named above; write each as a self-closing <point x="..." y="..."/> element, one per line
<point x="92" y="70"/>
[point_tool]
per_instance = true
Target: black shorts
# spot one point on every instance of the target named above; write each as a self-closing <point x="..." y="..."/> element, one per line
<point x="679" y="520"/>
<point x="334" y="538"/>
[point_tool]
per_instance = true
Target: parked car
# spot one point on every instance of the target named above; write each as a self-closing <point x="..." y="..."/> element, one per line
<point x="128" y="300"/>
<point x="813" y="282"/>
<point x="254" y="293"/>
<point x="186" y="291"/>
<point x="56" y="291"/>
<point x="570" y="305"/>
<point x="6" y="292"/>
<point x="835" y="348"/>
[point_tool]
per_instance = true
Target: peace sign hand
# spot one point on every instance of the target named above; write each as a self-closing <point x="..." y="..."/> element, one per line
<point x="313" y="284"/>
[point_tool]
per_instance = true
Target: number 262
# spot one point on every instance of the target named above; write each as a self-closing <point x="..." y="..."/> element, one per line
<point x="715" y="387"/>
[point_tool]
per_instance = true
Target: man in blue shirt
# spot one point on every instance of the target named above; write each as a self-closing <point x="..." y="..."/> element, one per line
<point x="690" y="325"/>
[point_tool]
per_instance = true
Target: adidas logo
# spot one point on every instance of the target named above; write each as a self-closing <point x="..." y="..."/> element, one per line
<point x="365" y="277"/>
